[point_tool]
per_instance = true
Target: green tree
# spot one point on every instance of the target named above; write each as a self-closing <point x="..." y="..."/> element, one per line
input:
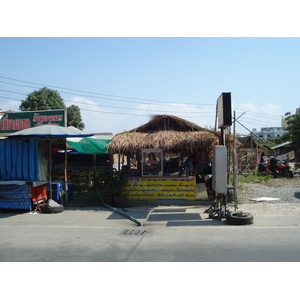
<point x="277" y="140"/>
<point x="43" y="99"/>
<point x="293" y="122"/>
<point x="74" y="117"/>
<point x="47" y="99"/>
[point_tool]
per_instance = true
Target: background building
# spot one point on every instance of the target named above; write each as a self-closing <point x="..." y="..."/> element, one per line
<point x="271" y="132"/>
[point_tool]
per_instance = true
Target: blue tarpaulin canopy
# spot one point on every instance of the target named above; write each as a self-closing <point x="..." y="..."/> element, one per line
<point x="19" y="160"/>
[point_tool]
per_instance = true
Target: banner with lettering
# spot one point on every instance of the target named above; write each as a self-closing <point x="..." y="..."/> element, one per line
<point x="15" y="121"/>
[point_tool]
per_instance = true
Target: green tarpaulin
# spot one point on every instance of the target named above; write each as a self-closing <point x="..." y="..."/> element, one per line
<point x="90" y="146"/>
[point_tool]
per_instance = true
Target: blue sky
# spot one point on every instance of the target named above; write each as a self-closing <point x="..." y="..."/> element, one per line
<point x="119" y="82"/>
<point x="122" y="62"/>
<point x="125" y="75"/>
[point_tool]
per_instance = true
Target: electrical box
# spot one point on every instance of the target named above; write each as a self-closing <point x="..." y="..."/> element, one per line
<point x="219" y="169"/>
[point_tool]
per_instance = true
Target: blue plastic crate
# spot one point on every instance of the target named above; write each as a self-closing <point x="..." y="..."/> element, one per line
<point x="70" y="190"/>
<point x="58" y="188"/>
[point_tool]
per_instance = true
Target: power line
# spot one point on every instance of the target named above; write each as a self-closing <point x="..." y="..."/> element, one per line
<point x="124" y="108"/>
<point x="93" y="93"/>
<point x="258" y="114"/>
<point x="105" y="98"/>
<point x="258" y="121"/>
<point x="135" y="109"/>
<point x="122" y="113"/>
<point x="251" y="113"/>
<point x="12" y="92"/>
<point x="125" y="99"/>
<point x="10" y="98"/>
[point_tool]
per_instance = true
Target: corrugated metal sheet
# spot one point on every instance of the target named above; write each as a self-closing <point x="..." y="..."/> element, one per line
<point x="280" y="145"/>
<point x="19" y="160"/>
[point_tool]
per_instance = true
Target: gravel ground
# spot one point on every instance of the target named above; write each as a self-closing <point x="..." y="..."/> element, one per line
<point x="287" y="189"/>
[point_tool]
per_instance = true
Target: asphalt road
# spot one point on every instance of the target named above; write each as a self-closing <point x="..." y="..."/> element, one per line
<point x="169" y="234"/>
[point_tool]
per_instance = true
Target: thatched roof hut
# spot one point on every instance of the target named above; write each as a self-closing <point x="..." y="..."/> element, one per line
<point x="247" y="142"/>
<point x="170" y="133"/>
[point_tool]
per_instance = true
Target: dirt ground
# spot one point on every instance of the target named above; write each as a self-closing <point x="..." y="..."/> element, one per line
<point x="287" y="189"/>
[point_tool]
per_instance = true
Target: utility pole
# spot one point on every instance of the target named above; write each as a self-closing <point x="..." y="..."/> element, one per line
<point x="235" y="163"/>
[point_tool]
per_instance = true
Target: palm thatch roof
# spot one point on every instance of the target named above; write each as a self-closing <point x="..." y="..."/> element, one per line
<point x="170" y="133"/>
<point x="247" y="142"/>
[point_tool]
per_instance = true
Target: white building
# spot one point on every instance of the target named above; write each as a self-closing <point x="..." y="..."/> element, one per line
<point x="269" y="132"/>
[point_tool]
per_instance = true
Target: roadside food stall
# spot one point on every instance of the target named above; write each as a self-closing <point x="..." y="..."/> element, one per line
<point x="86" y="157"/>
<point x="25" y="168"/>
<point x="23" y="173"/>
<point x="156" y="161"/>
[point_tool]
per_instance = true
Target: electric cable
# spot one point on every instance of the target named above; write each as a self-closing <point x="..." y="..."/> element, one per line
<point x="129" y="100"/>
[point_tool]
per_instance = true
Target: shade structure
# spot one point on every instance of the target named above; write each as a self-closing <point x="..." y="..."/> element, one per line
<point x="91" y="146"/>
<point x="170" y="133"/>
<point x="50" y="131"/>
<point x="172" y="141"/>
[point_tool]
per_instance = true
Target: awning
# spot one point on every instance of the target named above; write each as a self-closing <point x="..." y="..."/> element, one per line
<point x="49" y="131"/>
<point x="90" y="146"/>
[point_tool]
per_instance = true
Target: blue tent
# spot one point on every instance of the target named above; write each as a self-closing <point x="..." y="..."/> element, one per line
<point x="50" y="132"/>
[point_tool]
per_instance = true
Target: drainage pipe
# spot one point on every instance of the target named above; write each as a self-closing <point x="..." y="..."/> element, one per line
<point x="113" y="209"/>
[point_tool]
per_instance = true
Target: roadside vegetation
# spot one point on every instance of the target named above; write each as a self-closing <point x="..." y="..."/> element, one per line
<point x="251" y="178"/>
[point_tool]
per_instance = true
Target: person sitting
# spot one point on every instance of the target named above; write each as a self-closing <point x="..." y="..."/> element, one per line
<point x="273" y="164"/>
<point x="189" y="164"/>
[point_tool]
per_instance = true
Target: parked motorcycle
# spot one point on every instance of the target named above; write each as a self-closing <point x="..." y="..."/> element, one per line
<point x="284" y="170"/>
<point x="276" y="169"/>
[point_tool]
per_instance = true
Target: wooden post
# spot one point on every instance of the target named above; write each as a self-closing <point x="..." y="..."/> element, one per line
<point x="95" y="169"/>
<point x="66" y="176"/>
<point x="50" y="168"/>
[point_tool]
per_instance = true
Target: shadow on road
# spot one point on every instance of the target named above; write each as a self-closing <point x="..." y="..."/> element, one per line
<point x="174" y="217"/>
<point x="6" y="213"/>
